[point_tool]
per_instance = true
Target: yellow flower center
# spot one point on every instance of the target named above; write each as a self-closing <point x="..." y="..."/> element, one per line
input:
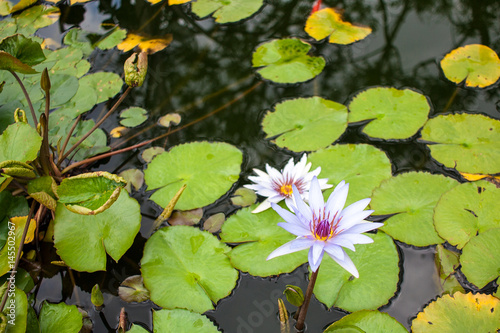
<point x="286" y="190"/>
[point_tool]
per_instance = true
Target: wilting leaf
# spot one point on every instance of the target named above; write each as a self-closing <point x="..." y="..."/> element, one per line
<point x="150" y="153"/>
<point x="214" y="222"/>
<point x="132" y="289"/>
<point x="118" y="132"/>
<point x="170" y="119"/>
<point x="133" y="177"/>
<point x="147" y="44"/>
<point x="186" y="217"/>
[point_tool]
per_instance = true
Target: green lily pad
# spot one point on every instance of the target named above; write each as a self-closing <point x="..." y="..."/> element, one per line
<point x="476" y="64"/>
<point x="480" y="258"/>
<point x="16" y="310"/>
<point x="34" y="18"/>
<point x="243" y="197"/>
<point x="467" y="210"/>
<point x="23" y="280"/>
<point x="362" y="166"/>
<point x="42" y="190"/>
<point x="60" y="318"/>
<point x="77" y="38"/>
<point x="459" y="145"/>
<point x="90" y="193"/>
<point x="328" y="22"/>
<point x="459" y="313"/>
<point x="133" y="116"/>
<point x="112" y="38"/>
<point x="25" y="50"/>
<point x="393" y="113"/>
<point x="226" y="11"/>
<point x="82" y="101"/>
<point x="182" y="321"/>
<point x="324" y="124"/>
<point x="367" y="321"/>
<point x="411" y="197"/>
<point x="208" y="169"/>
<point x="258" y="235"/>
<point x="10" y="206"/>
<point x="19" y="142"/>
<point x="132" y="289"/>
<point x="82" y="241"/>
<point x="105" y="84"/>
<point x="93" y="145"/>
<point x="184" y="267"/>
<point x="63" y="88"/>
<point x="378" y="268"/>
<point x="286" y="61"/>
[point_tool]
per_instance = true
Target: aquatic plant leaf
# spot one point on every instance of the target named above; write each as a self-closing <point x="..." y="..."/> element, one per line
<point x="82" y="241"/>
<point x="21" y="220"/>
<point x="182" y="321"/>
<point x="133" y="177"/>
<point x="457" y="144"/>
<point x="477" y="65"/>
<point x="19" y="54"/>
<point x="258" y="235"/>
<point x="17" y="225"/>
<point x="446" y="260"/>
<point x="60" y="317"/>
<point x="362" y="166"/>
<point x="328" y="22"/>
<point x="133" y="116"/>
<point x="378" y="268"/>
<point x="136" y="328"/>
<point x="243" y="197"/>
<point x="172" y="272"/>
<point x="214" y="223"/>
<point x="480" y="258"/>
<point x="132" y="289"/>
<point x="21" y="5"/>
<point x="90" y="193"/>
<point x="459" y="313"/>
<point x="366" y="321"/>
<point x="114" y="37"/>
<point x="19" y="307"/>
<point x="63" y="88"/>
<point x="150" y="153"/>
<point x="118" y="132"/>
<point x="393" y="113"/>
<point x="466" y="210"/>
<point x="226" y="11"/>
<point x="286" y="61"/>
<point x="411" y="197"/>
<point x="170" y="119"/>
<point x="34" y="18"/>
<point x="186" y="217"/>
<point x="77" y="38"/>
<point x="105" y="84"/>
<point x="23" y="280"/>
<point x="208" y="169"/>
<point x="93" y="145"/>
<point x="73" y="2"/>
<point x="10" y="63"/>
<point x="176" y="2"/>
<point x="305" y="124"/>
<point x="147" y="44"/>
<point x="19" y="142"/>
<point x="10" y="206"/>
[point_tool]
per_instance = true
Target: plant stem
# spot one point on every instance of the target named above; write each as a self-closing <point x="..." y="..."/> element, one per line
<point x="96" y="126"/>
<point x="26" y="96"/>
<point x="303" y="309"/>
<point x="450" y="101"/>
<point x="18" y="256"/>
<point x="70" y="133"/>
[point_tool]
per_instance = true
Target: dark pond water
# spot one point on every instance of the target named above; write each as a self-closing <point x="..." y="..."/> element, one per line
<point x="208" y="66"/>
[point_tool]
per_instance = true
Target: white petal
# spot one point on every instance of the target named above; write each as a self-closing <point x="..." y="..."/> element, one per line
<point x="356" y="238"/>
<point x="284" y="249"/>
<point x="266" y="204"/>
<point x="313" y="261"/>
<point x="302" y="243"/>
<point x="286" y="215"/>
<point x="316" y="201"/>
<point x="363" y="227"/>
<point x="358" y="206"/>
<point x="347" y="264"/>
<point x="273" y="173"/>
<point x="295" y="229"/>
<point x="334" y="250"/>
<point x="323" y="183"/>
<point x="337" y="199"/>
<point x="302" y="208"/>
<point x="338" y="240"/>
<point x="351" y="220"/>
<point x="261" y="173"/>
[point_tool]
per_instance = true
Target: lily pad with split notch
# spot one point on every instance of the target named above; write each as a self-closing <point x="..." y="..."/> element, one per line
<point x="366" y="321"/>
<point x="226" y="11"/>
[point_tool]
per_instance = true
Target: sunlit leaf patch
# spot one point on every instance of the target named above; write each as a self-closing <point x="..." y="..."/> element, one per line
<point x="467" y="210"/>
<point x="459" y="313"/>
<point x="305" y="124"/>
<point x="226" y="11"/>
<point x="258" y="235"/>
<point x="172" y="272"/>
<point x="208" y="169"/>
<point x="456" y="143"/>
<point x="378" y="268"/>
<point x="328" y="22"/>
<point x="362" y="166"/>
<point x="411" y="197"/>
<point x="147" y="44"/>
<point x="366" y="321"/>
<point x="286" y="61"/>
<point x="174" y="2"/>
<point x="477" y="65"/>
<point x="393" y="113"/>
<point x="105" y="84"/>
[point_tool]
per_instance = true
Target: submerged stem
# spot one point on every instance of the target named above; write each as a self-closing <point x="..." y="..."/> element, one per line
<point x="303" y="309"/>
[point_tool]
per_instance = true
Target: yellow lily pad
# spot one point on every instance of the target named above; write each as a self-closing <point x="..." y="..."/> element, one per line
<point x="328" y="22"/>
<point x="477" y="64"/>
<point x="147" y="44"/>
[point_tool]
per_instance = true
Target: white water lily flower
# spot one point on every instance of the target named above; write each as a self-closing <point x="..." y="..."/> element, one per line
<point x="276" y="185"/>
<point x="328" y="227"/>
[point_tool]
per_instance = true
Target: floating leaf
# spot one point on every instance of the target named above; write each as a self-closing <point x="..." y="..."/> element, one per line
<point x="325" y="122"/>
<point x="411" y="197"/>
<point x="208" y="169"/>
<point x="170" y="119"/>
<point x="90" y="193"/>
<point x="214" y="222"/>
<point x="60" y="318"/>
<point x="328" y="22"/>
<point x="16" y="310"/>
<point x="133" y="177"/>
<point x="74" y="2"/>
<point x="393" y="113"/>
<point x="243" y="197"/>
<point x="19" y="142"/>
<point x="172" y="272"/>
<point x="34" y="18"/>
<point x="63" y="88"/>
<point x="78" y="38"/>
<point x="150" y="153"/>
<point x="477" y="64"/>
<point x="93" y="145"/>
<point x="378" y="266"/>
<point x="147" y="44"/>
<point x="19" y="54"/>
<point x="84" y="100"/>
<point x="105" y="84"/>
<point x="471" y="149"/>
<point x="132" y="289"/>
<point x="480" y="258"/>
<point x="459" y="313"/>
<point x="447" y="263"/>
<point x="114" y="37"/>
<point x="467" y="210"/>
<point x="113" y="232"/>
<point x="286" y="61"/>
<point x="226" y="11"/>
<point x="10" y="206"/>
<point x="7" y="260"/>
<point x="259" y="235"/>
<point x="177" y="2"/>
<point x="182" y="321"/>
<point x="366" y="321"/>
<point x="362" y="166"/>
<point x="118" y="132"/>
<point x="187" y="217"/>
<point x="133" y="116"/>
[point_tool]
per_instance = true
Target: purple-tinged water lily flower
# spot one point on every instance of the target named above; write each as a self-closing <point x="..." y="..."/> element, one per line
<point x="276" y="185"/>
<point x="328" y="227"/>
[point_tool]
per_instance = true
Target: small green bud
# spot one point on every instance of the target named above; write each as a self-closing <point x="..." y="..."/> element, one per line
<point x="135" y="68"/>
<point x="45" y="81"/>
<point x="283" y="313"/>
<point x="96" y="297"/>
<point x="294" y="295"/>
